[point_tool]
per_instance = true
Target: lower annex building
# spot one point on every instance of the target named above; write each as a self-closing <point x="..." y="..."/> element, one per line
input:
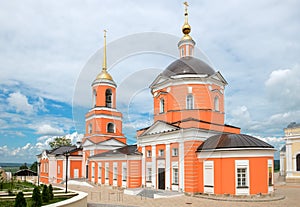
<point x="188" y="148"/>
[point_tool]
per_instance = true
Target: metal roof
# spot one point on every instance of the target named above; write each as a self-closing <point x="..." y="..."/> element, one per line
<point x="188" y="65"/>
<point x="127" y="150"/>
<point x="223" y="141"/>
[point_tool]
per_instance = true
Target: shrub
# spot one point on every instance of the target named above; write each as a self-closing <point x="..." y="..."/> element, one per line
<point x="50" y="192"/>
<point x="45" y="194"/>
<point x="36" y="198"/>
<point x="20" y="200"/>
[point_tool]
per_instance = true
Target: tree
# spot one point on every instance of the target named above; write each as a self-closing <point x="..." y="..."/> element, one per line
<point x="60" y="141"/>
<point x="50" y="192"/>
<point x="36" y="198"/>
<point x="24" y="166"/>
<point x="45" y="194"/>
<point x="33" y="167"/>
<point x="20" y="200"/>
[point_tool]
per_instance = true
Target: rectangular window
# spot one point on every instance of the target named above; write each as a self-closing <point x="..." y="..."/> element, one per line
<point x="115" y="173"/>
<point x="149" y="174"/>
<point x="99" y="171"/>
<point x="270" y="172"/>
<point x="175" y="152"/>
<point x="241" y="177"/>
<point x="149" y="153"/>
<point x="161" y="153"/>
<point x="107" y="172"/>
<point x="124" y="174"/>
<point x="175" y="176"/>
<point x="91" y="152"/>
<point x="58" y="169"/>
<point x="93" y="170"/>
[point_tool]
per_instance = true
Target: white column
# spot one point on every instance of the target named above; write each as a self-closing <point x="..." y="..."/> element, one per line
<point x="181" y="166"/>
<point x="143" y="166"/>
<point x="154" y="176"/>
<point x="83" y="174"/>
<point x="288" y="160"/>
<point x="167" y="168"/>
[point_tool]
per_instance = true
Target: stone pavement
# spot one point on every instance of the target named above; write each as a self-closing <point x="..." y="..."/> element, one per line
<point x="104" y="196"/>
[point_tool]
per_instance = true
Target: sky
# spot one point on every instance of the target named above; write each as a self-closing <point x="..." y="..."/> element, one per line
<point x="51" y="51"/>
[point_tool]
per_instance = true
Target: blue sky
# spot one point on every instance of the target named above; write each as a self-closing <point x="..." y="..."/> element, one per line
<point x="51" y="51"/>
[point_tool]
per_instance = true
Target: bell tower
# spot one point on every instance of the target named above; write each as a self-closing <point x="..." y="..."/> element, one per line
<point x="103" y="121"/>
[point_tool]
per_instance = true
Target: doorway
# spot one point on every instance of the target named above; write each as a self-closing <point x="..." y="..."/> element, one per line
<point x="161" y="178"/>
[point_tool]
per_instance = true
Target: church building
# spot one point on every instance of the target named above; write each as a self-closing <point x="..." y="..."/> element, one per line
<point x="188" y="148"/>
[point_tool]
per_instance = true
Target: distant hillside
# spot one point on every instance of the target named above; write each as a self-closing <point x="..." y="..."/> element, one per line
<point x="11" y="164"/>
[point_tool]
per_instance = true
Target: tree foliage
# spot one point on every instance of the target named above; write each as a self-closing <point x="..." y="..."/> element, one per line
<point x="45" y="194"/>
<point x="36" y="198"/>
<point x="33" y="167"/>
<point x="60" y="141"/>
<point x="50" y="192"/>
<point x="20" y="200"/>
<point x="24" y="166"/>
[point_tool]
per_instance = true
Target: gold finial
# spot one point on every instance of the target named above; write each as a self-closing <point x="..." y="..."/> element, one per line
<point x="104" y="74"/>
<point x="186" y="28"/>
<point x="104" y="66"/>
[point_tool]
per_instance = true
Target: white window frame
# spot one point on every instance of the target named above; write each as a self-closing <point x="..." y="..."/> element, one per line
<point x="175" y="152"/>
<point x="190" y="101"/>
<point x="175" y="176"/>
<point x="162" y="105"/>
<point x="93" y="170"/>
<point x="99" y="171"/>
<point x="149" y="174"/>
<point x="92" y="153"/>
<point x="242" y="190"/>
<point x="161" y="152"/>
<point x="90" y="128"/>
<point x="270" y="186"/>
<point x="115" y="171"/>
<point x="106" y="171"/>
<point x="149" y="153"/>
<point x="124" y="173"/>
<point x="208" y="179"/>
<point x="217" y="103"/>
<point x="58" y="169"/>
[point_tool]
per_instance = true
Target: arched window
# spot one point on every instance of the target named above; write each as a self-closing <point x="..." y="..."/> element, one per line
<point x="298" y="162"/>
<point x="216" y="104"/>
<point x="94" y="98"/>
<point x="161" y="105"/>
<point x="108" y="98"/>
<point x="110" y="128"/>
<point x="189" y="101"/>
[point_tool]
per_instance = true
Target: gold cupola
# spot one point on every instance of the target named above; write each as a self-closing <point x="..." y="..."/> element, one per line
<point x="104" y="75"/>
<point x="186" y="28"/>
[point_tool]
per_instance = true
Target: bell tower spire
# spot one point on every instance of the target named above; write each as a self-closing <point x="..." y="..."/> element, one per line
<point x="104" y="65"/>
<point x="186" y="44"/>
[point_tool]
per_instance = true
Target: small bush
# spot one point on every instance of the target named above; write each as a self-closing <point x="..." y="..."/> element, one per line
<point x="20" y="200"/>
<point x="45" y="194"/>
<point x="50" y="192"/>
<point x="36" y="198"/>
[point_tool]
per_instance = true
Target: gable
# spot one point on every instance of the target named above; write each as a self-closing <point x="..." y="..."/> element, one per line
<point x="159" y="127"/>
<point x="158" y="79"/>
<point x="111" y="142"/>
<point x="217" y="76"/>
<point x="87" y="143"/>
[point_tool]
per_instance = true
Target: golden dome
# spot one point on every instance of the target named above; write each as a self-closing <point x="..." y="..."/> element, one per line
<point x="104" y="75"/>
<point x="186" y="28"/>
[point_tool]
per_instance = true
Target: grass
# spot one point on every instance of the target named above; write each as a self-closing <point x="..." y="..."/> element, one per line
<point x="11" y="203"/>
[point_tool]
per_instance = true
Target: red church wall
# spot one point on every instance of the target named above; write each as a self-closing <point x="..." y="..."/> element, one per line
<point x="135" y="173"/>
<point x="75" y="164"/>
<point x="192" y="169"/>
<point x="60" y="170"/>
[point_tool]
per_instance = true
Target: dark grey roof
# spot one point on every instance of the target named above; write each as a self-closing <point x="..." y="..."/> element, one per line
<point x="283" y="149"/>
<point x="223" y="141"/>
<point x="126" y="150"/>
<point x="63" y="149"/>
<point x="188" y="65"/>
<point x="25" y="172"/>
<point x="293" y="125"/>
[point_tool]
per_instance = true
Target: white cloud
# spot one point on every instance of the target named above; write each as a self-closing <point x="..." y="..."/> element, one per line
<point x="47" y="129"/>
<point x="19" y="102"/>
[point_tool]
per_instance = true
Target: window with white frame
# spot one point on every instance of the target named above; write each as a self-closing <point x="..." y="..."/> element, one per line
<point x="90" y="128"/>
<point x="161" y="153"/>
<point x="216" y="104"/>
<point x="270" y="172"/>
<point x="148" y="153"/>
<point x="241" y="177"/>
<point x="189" y="101"/>
<point x="93" y="170"/>
<point x="161" y="105"/>
<point x="149" y="174"/>
<point x="58" y="169"/>
<point x="91" y="152"/>
<point x="99" y="170"/>
<point x="106" y="172"/>
<point x="175" y="176"/>
<point x="175" y="152"/>
<point x="124" y="173"/>
<point x="115" y="173"/>
<point x="110" y="128"/>
<point x="94" y="98"/>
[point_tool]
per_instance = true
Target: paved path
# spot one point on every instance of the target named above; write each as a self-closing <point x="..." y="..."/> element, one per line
<point x="107" y="197"/>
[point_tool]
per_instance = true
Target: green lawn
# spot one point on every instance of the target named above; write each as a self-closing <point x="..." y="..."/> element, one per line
<point x="11" y="203"/>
